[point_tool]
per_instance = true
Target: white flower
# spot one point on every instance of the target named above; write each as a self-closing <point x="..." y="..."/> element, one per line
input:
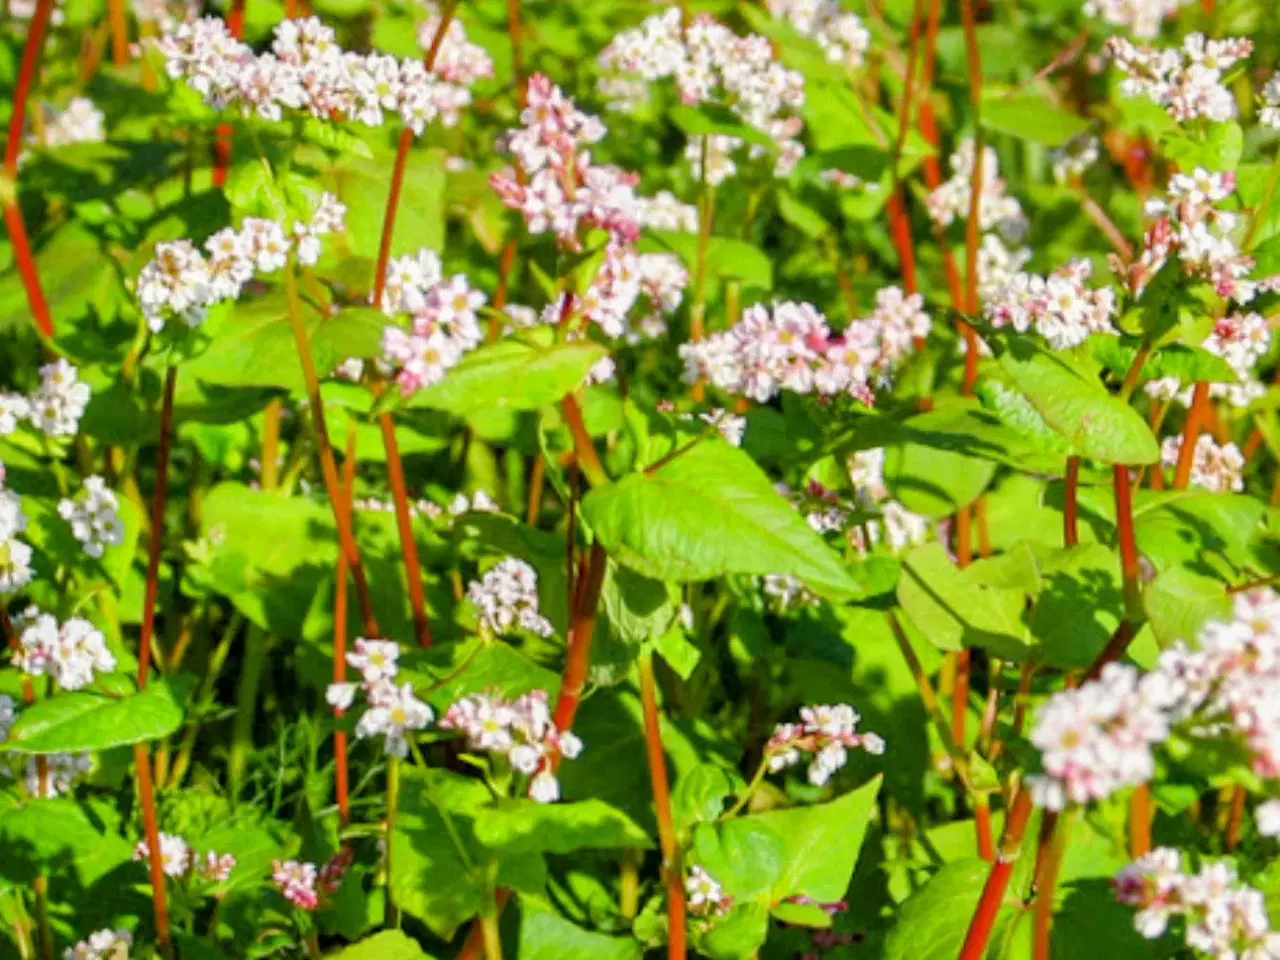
<point x="71" y="653"/>
<point x="59" y="773"/>
<point x="59" y="402"/>
<point x="544" y="788"/>
<point x="1267" y="817"/>
<point x="507" y="597"/>
<point x="93" y="517"/>
<point x="704" y="894"/>
<point x="392" y="712"/>
<point x="175" y="854"/>
<point x="375" y="659"/>
<point x="340" y="695"/>
<point x="102" y="945"/>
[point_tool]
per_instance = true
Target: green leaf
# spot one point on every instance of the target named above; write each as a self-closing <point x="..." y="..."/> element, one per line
<point x="711" y="119"/>
<point x="820" y="844"/>
<point x="1095" y="423"/>
<point x="252" y="344"/>
<point x="709" y="512"/>
<point x="332" y="137"/>
<point x="727" y="257"/>
<point x="81" y="722"/>
<point x="700" y="794"/>
<point x="546" y="935"/>
<point x="933" y="480"/>
<point x="1188" y="364"/>
<point x="954" y="610"/>
<point x="1179" y="603"/>
<point x="512" y="375"/>
<point x="387" y="945"/>
<point x="738" y="935"/>
<point x="932" y="922"/>
<point x="364" y="187"/>
<point x="1219" y="148"/>
<point x="1030" y="115"/>
<point x="441" y="881"/>
<point x="1079" y="605"/>
<point x="525" y="826"/>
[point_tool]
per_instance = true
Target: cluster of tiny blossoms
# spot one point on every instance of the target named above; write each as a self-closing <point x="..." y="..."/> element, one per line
<point x="1216" y="467"/>
<point x="704" y="896"/>
<point x="392" y="709"/>
<point x="306" y="70"/>
<point x="1193" y="228"/>
<point x="15" y="555"/>
<point x="179" y="861"/>
<point x="1241" y="339"/>
<point x="101" y="945"/>
<point x="559" y="190"/>
<point x="521" y="731"/>
<point x="507" y="598"/>
<point x="710" y="63"/>
<point x="1142" y="18"/>
<point x="839" y="32"/>
<point x="52" y="774"/>
<point x="71" y="653"/>
<point x="304" y="884"/>
<point x="997" y="210"/>
<point x="1224" y="918"/>
<point x="443" y="322"/>
<point x="93" y="516"/>
<point x="824" y="735"/>
<point x="1099" y="738"/>
<point x="1188" y="80"/>
<point x="54" y="408"/>
<point x="79" y="122"/>
<point x="1269" y="114"/>
<point x="182" y="282"/>
<point x="895" y="526"/>
<point x="788" y="346"/>
<point x="1058" y="307"/>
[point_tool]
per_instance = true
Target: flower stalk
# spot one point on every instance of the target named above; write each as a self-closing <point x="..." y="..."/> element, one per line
<point x="671" y="868"/>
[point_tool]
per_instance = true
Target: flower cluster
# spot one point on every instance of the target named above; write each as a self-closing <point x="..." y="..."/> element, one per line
<point x="1269" y="114"/>
<point x="1188" y="80"/>
<point x="704" y="896"/>
<point x="71" y="653"/>
<point x="997" y="211"/>
<point x="788" y="346"/>
<point x="443" y="322"/>
<point x="786" y="591"/>
<point x="521" y="731"/>
<point x="838" y="31"/>
<point x="1072" y="159"/>
<point x="1241" y="339"/>
<point x="304" y="884"/>
<point x="184" y="283"/>
<point x="1224" y="918"/>
<point x="79" y="122"/>
<point x="710" y="63"/>
<point x="178" y="860"/>
<point x="824" y="734"/>
<point x="1098" y="738"/>
<point x="896" y="526"/>
<point x="93" y="517"/>
<point x="665" y="211"/>
<point x="15" y="555"/>
<point x="1142" y="18"/>
<point x="1058" y="307"/>
<point x="102" y="945"/>
<point x="56" y="775"/>
<point x="1199" y="233"/>
<point x="1217" y="467"/>
<point x="507" y="597"/>
<point x="306" y="70"/>
<point x="393" y="710"/>
<point x="54" y="408"/>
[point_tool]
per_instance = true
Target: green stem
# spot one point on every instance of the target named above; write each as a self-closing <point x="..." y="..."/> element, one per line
<point x="749" y="792"/>
<point x="252" y="666"/>
<point x="204" y="698"/>
<point x="392" y="918"/>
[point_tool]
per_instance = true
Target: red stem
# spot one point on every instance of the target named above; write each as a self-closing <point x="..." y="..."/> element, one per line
<point x="341" y="775"/>
<point x="984" y="917"/>
<point x="900" y="222"/>
<point x="674" y="875"/>
<point x="23" y="259"/>
<point x="222" y="135"/>
<point x="404" y="521"/>
<point x="982" y="823"/>
<point x="581" y="630"/>
<point x="119" y="32"/>
<point x="1196" y="417"/>
<point x="1238" y="797"/>
<point x="1053" y="837"/>
<point x="1140" y="814"/>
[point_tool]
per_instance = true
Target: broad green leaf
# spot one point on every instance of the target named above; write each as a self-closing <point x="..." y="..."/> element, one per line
<point x="933" y="480"/>
<point x="1218" y="148"/>
<point x="71" y="267"/>
<point x="1030" y="115"/>
<point x="525" y="826"/>
<point x="744" y="855"/>
<point x="1179" y="603"/>
<point x="708" y="512"/>
<point x="738" y="935"/>
<point x="546" y="935"/>
<point x="434" y="879"/>
<point x="727" y="257"/>
<point x="363" y="186"/>
<point x="82" y="722"/>
<point x="1095" y="423"/>
<point x="1079" y="605"/>
<point x="252" y="344"/>
<point x="512" y="375"/>
<point x="81" y="838"/>
<point x="700" y="794"/>
<point x="1188" y="364"/>
<point x="932" y="923"/>
<point x="332" y="137"/>
<point x="955" y="610"/>
<point x="387" y="945"/>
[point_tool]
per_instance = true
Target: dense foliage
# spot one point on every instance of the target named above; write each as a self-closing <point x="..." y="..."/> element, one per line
<point x="730" y="478"/>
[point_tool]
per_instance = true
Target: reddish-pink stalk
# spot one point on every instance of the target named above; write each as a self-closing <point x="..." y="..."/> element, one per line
<point x="342" y="571"/>
<point x="673" y="874"/>
<point x="404" y="522"/>
<point x="222" y="135"/>
<point x="984" y="916"/>
<point x="22" y="256"/>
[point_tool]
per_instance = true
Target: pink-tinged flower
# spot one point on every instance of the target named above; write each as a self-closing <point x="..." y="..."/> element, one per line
<point x="296" y="881"/>
<point x="507" y="598"/>
<point x="1188" y="80"/>
<point x="704" y="895"/>
<point x="175" y="854"/>
<point x="825" y="734"/>
<point x="1216" y="467"/>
